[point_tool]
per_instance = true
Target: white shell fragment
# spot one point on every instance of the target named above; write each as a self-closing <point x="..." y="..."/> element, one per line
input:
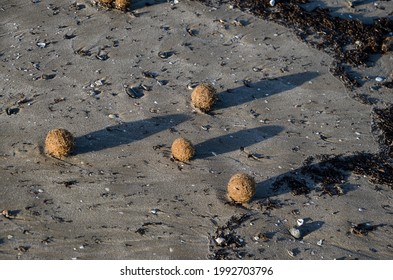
<point x="299" y="222"/>
<point x="41" y="45"/>
<point x="220" y="240"/>
<point x="319" y="243"/>
<point x="295" y="232"/>
<point x="379" y="79"/>
<point x="272" y="3"/>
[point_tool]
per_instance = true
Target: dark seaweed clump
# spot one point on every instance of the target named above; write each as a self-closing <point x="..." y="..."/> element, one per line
<point x="230" y="247"/>
<point x="350" y="41"/>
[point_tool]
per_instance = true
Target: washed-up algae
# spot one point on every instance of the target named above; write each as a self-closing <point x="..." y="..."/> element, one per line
<point x="350" y="41"/>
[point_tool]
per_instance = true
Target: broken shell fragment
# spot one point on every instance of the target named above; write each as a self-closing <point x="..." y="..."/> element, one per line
<point x="59" y="143"/>
<point x="299" y="222"/>
<point x="219" y="240"/>
<point x="241" y="188"/>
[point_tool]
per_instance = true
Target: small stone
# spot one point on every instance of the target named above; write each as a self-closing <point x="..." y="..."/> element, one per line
<point x="295" y="232"/>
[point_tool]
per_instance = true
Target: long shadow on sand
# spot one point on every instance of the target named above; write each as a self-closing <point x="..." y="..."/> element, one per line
<point x="125" y="133"/>
<point x="262" y="89"/>
<point x="137" y="4"/>
<point x="234" y="141"/>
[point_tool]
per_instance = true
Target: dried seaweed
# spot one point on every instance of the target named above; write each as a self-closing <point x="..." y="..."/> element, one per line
<point x="382" y="127"/>
<point x="349" y="41"/>
<point x="225" y="241"/>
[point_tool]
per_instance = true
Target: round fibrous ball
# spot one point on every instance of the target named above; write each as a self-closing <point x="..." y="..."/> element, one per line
<point x="122" y="4"/>
<point x="106" y="3"/>
<point x="59" y="143"/>
<point x="117" y="4"/>
<point x="241" y="188"/>
<point x="203" y="97"/>
<point x="182" y="149"/>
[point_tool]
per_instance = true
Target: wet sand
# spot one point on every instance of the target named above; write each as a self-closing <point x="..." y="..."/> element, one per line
<point x="120" y="195"/>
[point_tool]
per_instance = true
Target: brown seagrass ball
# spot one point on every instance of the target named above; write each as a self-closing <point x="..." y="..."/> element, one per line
<point x="203" y="97"/>
<point x="241" y="188"/>
<point x="59" y="143"/>
<point x="122" y="4"/>
<point x="182" y="149"/>
<point x="117" y="4"/>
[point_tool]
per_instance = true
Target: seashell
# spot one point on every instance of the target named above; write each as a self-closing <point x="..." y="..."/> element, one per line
<point x="41" y="44"/>
<point x="299" y="222"/>
<point x="134" y="92"/>
<point x="272" y="3"/>
<point x="165" y="55"/>
<point x="220" y="240"/>
<point x="379" y="79"/>
<point x="102" y="56"/>
<point x="295" y="232"/>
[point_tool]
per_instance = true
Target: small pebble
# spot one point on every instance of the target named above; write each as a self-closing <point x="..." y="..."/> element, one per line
<point x="112" y="116"/>
<point x="295" y="232"/>
<point x="379" y="79"/>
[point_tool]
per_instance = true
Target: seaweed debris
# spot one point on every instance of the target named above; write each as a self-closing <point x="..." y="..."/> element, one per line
<point x="226" y="242"/>
<point x="382" y="127"/>
<point x="349" y="41"/>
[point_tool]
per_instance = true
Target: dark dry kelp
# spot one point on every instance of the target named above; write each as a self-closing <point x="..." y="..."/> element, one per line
<point x="349" y="41"/>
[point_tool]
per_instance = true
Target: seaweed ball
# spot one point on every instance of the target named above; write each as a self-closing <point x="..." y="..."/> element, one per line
<point x="241" y="188"/>
<point x="59" y="142"/>
<point x="106" y="3"/>
<point x="122" y="4"/>
<point x="203" y="97"/>
<point x="182" y="149"/>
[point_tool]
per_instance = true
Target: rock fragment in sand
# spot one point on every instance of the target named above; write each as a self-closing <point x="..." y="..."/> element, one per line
<point x="59" y="143"/>
<point x="241" y="188"/>
<point x="182" y="149"/>
<point x="203" y="97"/>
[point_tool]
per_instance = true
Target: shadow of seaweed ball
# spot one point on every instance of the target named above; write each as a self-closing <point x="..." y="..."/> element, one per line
<point x="59" y="143"/>
<point x="241" y="188"/>
<point x="203" y="97"/>
<point x="182" y="149"/>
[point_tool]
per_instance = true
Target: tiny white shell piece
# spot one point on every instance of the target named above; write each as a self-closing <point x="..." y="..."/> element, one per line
<point x="299" y="222"/>
<point x="220" y="240"/>
<point x="272" y="3"/>
<point x="319" y="243"/>
<point x="379" y="79"/>
<point x="41" y="45"/>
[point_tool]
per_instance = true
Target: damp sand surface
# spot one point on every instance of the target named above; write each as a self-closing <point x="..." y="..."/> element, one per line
<point x="121" y="83"/>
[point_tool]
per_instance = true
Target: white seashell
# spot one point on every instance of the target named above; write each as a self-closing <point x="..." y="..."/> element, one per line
<point x="299" y="222"/>
<point x="379" y="79"/>
<point x="272" y="3"/>
<point x="220" y="240"/>
<point x="41" y="45"/>
<point x="319" y="243"/>
<point x="295" y="232"/>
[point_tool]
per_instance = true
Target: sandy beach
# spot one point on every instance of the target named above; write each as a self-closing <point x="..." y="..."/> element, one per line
<point x="282" y="117"/>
